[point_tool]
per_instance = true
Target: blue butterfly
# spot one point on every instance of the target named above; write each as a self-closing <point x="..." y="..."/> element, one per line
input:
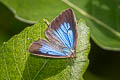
<point x="62" y="38"/>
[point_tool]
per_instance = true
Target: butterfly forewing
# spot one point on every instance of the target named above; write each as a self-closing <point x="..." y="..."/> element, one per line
<point x="62" y="38"/>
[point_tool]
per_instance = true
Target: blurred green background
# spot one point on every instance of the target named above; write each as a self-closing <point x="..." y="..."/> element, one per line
<point x="104" y="63"/>
<point x="9" y="25"/>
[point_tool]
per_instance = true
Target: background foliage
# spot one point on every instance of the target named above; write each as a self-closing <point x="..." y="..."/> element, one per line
<point x="104" y="64"/>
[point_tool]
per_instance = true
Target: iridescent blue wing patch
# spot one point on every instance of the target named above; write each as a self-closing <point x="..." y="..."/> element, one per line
<point x="44" y="48"/>
<point x="62" y="38"/>
<point x="65" y="35"/>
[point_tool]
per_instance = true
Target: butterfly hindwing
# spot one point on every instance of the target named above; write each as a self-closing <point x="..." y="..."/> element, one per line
<point x="44" y="48"/>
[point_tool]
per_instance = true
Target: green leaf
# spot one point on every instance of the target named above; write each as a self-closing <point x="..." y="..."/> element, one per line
<point x="102" y="16"/>
<point x="31" y="11"/>
<point x="16" y="63"/>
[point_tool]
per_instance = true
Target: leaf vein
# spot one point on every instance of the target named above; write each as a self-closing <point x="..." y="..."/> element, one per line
<point x="6" y="65"/>
<point x="16" y="63"/>
<point x="41" y="69"/>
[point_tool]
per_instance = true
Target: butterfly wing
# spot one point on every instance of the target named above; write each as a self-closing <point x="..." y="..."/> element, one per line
<point x="63" y="31"/>
<point x="49" y="49"/>
<point x="62" y="36"/>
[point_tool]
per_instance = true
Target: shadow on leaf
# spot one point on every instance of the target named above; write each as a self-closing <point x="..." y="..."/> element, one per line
<point x="40" y="68"/>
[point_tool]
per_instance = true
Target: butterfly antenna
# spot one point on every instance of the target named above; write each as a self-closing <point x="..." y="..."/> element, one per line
<point x="46" y="22"/>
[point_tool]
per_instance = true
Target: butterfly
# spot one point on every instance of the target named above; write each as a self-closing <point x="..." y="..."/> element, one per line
<point x="62" y="38"/>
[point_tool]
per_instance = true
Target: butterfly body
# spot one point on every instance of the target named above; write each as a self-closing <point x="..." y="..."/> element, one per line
<point x="62" y="38"/>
